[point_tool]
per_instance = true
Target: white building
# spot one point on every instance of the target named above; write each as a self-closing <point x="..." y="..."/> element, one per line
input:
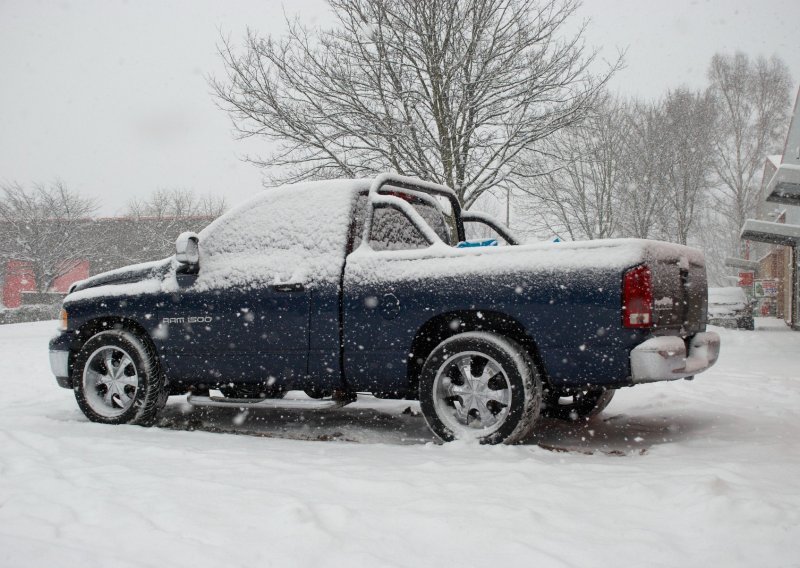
<point x="778" y="226"/>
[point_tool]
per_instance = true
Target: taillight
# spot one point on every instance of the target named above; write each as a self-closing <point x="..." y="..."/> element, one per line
<point x="637" y="297"/>
<point x="63" y="320"/>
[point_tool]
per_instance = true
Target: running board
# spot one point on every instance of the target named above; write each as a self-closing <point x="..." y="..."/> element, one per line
<point x="283" y="403"/>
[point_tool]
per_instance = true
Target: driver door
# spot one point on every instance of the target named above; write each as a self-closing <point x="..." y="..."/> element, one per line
<point x="235" y="334"/>
<point x="380" y="315"/>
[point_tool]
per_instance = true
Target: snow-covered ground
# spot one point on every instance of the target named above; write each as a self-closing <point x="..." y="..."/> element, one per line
<point x="703" y="473"/>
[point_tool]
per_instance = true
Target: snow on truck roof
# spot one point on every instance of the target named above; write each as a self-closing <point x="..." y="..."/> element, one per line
<point x="340" y="190"/>
<point x="307" y="194"/>
<point x="303" y="226"/>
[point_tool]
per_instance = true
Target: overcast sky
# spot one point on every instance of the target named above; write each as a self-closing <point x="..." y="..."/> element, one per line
<point x="110" y="96"/>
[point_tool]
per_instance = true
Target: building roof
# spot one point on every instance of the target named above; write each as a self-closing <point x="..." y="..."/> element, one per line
<point x="784" y="187"/>
<point x="741" y="263"/>
<point x="773" y="233"/>
<point x="775" y="159"/>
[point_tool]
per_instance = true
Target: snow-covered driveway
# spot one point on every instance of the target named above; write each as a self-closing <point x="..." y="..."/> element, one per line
<point x="703" y="473"/>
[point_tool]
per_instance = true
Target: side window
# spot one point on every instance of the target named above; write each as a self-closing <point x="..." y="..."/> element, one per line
<point x="478" y="231"/>
<point x="436" y="213"/>
<point x="480" y="227"/>
<point x="393" y="230"/>
<point x="436" y="219"/>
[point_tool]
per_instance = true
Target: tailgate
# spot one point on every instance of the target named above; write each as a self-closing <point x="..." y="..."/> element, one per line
<point x="680" y="293"/>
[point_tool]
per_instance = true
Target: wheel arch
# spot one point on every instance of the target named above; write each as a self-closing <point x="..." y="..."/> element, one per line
<point x="449" y="324"/>
<point x="107" y="323"/>
<point x="92" y="327"/>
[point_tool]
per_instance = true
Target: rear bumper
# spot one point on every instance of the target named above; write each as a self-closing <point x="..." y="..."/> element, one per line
<point x="665" y="358"/>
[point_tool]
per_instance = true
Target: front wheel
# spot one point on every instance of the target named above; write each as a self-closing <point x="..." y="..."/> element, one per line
<point x="576" y="404"/>
<point x="480" y="386"/>
<point x="117" y="379"/>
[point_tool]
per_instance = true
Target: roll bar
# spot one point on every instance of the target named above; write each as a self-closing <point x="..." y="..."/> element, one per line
<point x="416" y="184"/>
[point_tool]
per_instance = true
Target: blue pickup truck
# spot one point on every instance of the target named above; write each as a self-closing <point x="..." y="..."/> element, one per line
<point x="341" y="287"/>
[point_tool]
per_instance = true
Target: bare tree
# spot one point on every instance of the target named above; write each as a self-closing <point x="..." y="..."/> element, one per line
<point x="712" y="234"/>
<point x="45" y="225"/>
<point x="687" y="137"/>
<point x="176" y="204"/>
<point x="578" y="193"/>
<point x="162" y="216"/>
<point x="452" y="90"/>
<point x="752" y="98"/>
<point x="644" y="201"/>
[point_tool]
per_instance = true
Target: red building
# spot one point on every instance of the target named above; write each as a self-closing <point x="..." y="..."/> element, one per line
<point x="19" y="278"/>
<point x="120" y="241"/>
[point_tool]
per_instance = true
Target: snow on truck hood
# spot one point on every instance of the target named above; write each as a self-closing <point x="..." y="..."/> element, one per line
<point x="135" y="278"/>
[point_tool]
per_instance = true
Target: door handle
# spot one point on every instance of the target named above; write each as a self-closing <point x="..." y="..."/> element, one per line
<point x="289" y="287"/>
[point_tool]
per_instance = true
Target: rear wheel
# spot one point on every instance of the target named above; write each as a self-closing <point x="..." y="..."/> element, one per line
<point x="117" y="379"/>
<point x="480" y="386"/>
<point x="575" y="404"/>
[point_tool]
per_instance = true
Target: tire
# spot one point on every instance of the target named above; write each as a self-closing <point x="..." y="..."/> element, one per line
<point x="316" y="393"/>
<point x="133" y="391"/>
<point x="579" y="404"/>
<point x="498" y="403"/>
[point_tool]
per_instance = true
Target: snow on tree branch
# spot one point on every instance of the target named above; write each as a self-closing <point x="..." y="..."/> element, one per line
<point x="449" y="90"/>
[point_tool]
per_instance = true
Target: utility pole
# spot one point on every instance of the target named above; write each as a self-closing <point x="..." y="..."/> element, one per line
<point x="508" y="207"/>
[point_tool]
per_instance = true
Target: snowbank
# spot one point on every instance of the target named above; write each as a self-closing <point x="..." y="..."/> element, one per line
<point x="700" y="473"/>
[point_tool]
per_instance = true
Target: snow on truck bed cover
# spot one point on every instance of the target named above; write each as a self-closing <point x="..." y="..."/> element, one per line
<point x="612" y="254"/>
<point x="304" y="227"/>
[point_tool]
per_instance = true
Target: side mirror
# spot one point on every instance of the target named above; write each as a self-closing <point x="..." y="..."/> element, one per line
<point x="187" y="249"/>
